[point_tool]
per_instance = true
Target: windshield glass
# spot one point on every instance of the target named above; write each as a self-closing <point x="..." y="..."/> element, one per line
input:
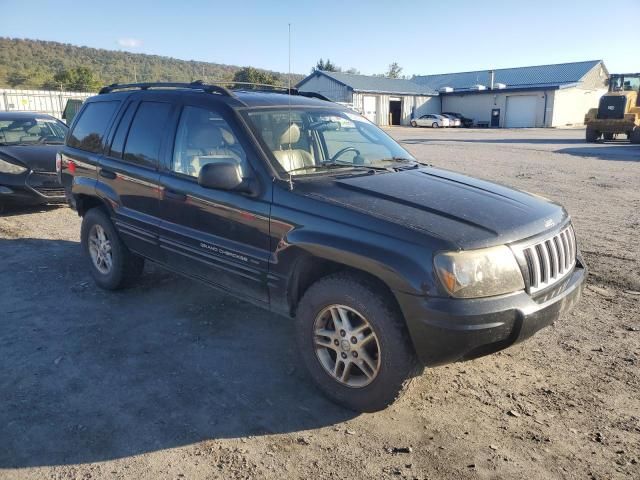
<point x="625" y="84"/>
<point x="312" y="141"/>
<point x="29" y="131"/>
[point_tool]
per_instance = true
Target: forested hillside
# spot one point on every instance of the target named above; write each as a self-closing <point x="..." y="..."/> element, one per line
<point x="53" y="65"/>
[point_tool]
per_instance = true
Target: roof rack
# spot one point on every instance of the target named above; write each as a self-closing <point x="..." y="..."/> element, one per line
<point x="215" y="87"/>
<point x="274" y="89"/>
<point x="197" y="85"/>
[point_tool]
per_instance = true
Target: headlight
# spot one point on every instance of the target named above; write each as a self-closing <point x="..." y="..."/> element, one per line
<point x="6" y="167"/>
<point x="479" y="273"/>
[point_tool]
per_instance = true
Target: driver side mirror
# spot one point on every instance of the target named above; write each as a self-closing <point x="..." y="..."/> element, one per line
<point x="223" y="174"/>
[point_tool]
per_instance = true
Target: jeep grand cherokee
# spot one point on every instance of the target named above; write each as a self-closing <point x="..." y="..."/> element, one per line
<point x="387" y="265"/>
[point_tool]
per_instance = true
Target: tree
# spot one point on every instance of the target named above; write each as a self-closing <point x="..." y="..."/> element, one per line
<point x="353" y="71"/>
<point x="394" y="71"/>
<point x="81" y="79"/>
<point x="253" y="75"/>
<point x="326" y="66"/>
<point x="15" y="79"/>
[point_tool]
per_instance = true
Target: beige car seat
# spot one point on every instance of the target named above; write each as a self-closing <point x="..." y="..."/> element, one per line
<point x="291" y="158"/>
<point x="207" y="144"/>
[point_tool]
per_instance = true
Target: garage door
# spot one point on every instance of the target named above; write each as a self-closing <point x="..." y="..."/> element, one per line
<point x="369" y="107"/>
<point x="521" y="111"/>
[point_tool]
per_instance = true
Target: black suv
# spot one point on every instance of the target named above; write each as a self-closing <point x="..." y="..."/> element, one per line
<point x="306" y="208"/>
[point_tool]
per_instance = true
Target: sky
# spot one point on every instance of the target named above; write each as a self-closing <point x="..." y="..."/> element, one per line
<point x="423" y="36"/>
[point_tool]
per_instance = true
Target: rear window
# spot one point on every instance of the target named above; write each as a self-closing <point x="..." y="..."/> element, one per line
<point x="88" y="132"/>
<point x="146" y="134"/>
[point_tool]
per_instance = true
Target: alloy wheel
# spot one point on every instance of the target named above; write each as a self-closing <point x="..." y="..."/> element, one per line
<point x="100" y="249"/>
<point x="346" y="346"/>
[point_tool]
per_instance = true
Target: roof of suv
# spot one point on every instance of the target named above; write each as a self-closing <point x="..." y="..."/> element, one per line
<point x="235" y="98"/>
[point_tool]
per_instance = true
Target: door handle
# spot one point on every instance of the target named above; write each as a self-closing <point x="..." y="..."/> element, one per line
<point x="170" y="194"/>
<point x="107" y="174"/>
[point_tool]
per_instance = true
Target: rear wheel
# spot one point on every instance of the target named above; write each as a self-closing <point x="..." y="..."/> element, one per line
<point x="634" y="137"/>
<point x="112" y="265"/>
<point x="592" y="135"/>
<point x="434" y="125"/>
<point x="413" y="123"/>
<point x="354" y="343"/>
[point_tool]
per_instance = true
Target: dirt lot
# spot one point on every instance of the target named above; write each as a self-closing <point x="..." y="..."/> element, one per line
<point x="173" y="380"/>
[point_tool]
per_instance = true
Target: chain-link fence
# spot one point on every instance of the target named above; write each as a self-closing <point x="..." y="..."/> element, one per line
<point x="42" y="101"/>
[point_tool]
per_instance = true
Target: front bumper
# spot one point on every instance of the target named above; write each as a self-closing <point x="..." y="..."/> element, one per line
<point x="31" y="188"/>
<point x="446" y="330"/>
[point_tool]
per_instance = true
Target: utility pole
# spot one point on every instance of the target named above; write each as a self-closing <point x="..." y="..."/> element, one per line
<point x="135" y="75"/>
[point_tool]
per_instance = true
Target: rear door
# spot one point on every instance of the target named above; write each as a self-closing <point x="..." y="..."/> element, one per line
<point x="128" y="174"/>
<point x="219" y="236"/>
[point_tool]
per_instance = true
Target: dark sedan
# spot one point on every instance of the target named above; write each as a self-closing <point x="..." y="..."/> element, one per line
<point x="28" y="145"/>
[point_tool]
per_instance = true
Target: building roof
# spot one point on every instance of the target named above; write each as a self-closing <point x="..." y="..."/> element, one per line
<point x="542" y="76"/>
<point x="366" y="83"/>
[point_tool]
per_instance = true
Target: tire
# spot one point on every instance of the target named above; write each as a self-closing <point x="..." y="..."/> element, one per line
<point x="413" y="123"/>
<point x="125" y="267"/>
<point x="634" y="136"/>
<point x="592" y="135"/>
<point x="608" y="136"/>
<point x="396" y="363"/>
<point x="435" y="125"/>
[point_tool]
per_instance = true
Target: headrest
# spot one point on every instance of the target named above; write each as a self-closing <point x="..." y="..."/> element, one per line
<point x="228" y="137"/>
<point x="205" y="135"/>
<point x="291" y="134"/>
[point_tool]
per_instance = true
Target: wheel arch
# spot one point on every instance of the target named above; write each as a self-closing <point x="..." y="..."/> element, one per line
<point x="309" y="269"/>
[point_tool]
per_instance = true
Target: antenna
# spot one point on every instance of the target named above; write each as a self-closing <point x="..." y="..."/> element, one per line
<point x="289" y="98"/>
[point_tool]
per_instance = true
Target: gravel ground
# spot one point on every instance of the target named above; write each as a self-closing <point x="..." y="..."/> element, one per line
<point x="171" y="379"/>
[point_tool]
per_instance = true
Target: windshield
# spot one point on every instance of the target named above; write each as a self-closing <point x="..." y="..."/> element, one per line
<point x="624" y="84"/>
<point x="30" y="131"/>
<point x="312" y="141"/>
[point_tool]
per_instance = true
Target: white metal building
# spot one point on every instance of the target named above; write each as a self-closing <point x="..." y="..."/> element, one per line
<point x="385" y="101"/>
<point x="541" y="96"/>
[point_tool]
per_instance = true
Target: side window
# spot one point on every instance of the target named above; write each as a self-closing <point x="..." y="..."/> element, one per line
<point x="203" y="137"/>
<point x="117" y="146"/>
<point x="146" y="133"/>
<point x="89" y="130"/>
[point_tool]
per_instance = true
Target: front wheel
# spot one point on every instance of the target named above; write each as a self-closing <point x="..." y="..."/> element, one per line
<point x="435" y="125"/>
<point x="354" y="343"/>
<point x="634" y="136"/>
<point x="592" y="135"/>
<point x="112" y="265"/>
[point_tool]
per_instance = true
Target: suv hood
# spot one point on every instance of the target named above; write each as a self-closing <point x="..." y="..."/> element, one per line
<point x="40" y="158"/>
<point x="471" y="213"/>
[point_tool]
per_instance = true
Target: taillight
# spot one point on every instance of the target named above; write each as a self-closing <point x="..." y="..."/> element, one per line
<point x="71" y="167"/>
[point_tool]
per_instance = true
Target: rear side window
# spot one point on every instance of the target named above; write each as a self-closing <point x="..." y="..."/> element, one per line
<point x="146" y="134"/>
<point x="117" y="146"/>
<point x="88" y="132"/>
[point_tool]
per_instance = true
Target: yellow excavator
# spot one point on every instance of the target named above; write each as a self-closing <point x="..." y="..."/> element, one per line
<point x="618" y="112"/>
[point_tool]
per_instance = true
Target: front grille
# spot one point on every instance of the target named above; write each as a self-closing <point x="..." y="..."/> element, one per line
<point x="551" y="259"/>
<point x="46" y="184"/>
<point x="50" y="191"/>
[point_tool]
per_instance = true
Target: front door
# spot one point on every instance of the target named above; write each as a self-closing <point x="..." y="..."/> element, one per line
<point x="495" y="117"/>
<point x="221" y="237"/>
<point x="369" y="107"/>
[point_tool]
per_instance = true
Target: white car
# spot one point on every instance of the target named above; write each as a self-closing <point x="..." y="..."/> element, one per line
<point x="453" y="121"/>
<point x="432" y="120"/>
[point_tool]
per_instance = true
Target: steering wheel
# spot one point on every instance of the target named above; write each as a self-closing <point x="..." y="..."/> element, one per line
<point x="339" y="153"/>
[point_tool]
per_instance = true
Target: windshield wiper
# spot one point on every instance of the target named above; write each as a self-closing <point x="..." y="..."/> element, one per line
<point x="332" y="165"/>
